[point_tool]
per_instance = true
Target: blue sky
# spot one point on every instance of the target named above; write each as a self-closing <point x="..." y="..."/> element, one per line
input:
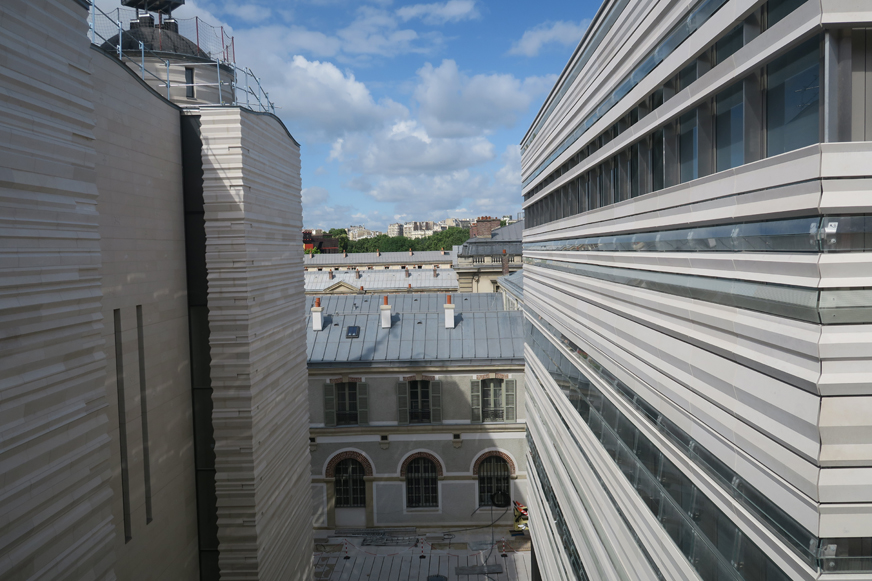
<point x="404" y="110"/>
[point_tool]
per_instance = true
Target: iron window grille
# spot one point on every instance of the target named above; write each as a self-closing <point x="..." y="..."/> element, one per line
<point x="422" y="486"/>
<point x="493" y="477"/>
<point x="419" y="402"/>
<point x="349" y="483"/>
<point x="346" y="404"/>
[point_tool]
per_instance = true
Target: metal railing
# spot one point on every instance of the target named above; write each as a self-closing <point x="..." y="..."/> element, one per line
<point x="244" y="88"/>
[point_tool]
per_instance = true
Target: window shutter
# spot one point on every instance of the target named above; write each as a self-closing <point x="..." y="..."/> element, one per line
<point x="362" y="404"/>
<point x="475" y="398"/>
<point x="509" y="396"/>
<point x="403" y="403"/>
<point x="329" y="405"/>
<point x="436" y="402"/>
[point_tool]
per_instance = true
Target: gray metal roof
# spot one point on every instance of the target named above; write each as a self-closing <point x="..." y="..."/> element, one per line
<point x="514" y="283"/>
<point x="364" y="258"/>
<point x="488" y="247"/>
<point x="386" y="280"/>
<point x="484" y="332"/>
<point x="512" y="232"/>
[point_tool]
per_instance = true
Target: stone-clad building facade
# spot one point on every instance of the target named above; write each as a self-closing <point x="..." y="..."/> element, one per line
<point x="138" y="237"/>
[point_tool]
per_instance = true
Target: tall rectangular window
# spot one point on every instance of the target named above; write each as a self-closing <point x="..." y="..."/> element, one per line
<point x="419" y="402"/>
<point x="688" y="147"/>
<point x="729" y="128"/>
<point x="346" y="404"/>
<point x="492" y="400"/>
<point x="793" y="99"/>
<point x="658" y="175"/>
<point x="601" y="187"/>
<point x="633" y="170"/>
<point x="189" y="82"/>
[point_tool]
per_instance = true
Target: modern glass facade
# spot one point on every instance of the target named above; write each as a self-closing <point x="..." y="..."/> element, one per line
<point x="695" y="253"/>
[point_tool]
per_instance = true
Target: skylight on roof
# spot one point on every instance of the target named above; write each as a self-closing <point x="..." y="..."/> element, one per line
<point x="353" y="332"/>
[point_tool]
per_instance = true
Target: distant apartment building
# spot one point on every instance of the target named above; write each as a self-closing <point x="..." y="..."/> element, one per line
<point x="372" y="280"/>
<point x="395" y="230"/>
<point x="141" y="404"/>
<point x="416" y="410"/>
<point x="697" y="192"/>
<point x="360" y="233"/>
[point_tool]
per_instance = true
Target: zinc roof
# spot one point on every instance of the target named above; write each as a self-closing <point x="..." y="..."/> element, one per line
<point x="387" y="280"/>
<point x="365" y="258"/>
<point x="484" y="332"/>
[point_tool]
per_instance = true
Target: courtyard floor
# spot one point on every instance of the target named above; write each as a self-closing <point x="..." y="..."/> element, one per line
<point x="404" y="563"/>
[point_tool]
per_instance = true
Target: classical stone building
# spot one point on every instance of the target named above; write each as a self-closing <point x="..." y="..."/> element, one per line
<point x="153" y="383"/>
<point x="482" y="261"/>
<point x="697" y="191"/>
<point x="417" y="409"/>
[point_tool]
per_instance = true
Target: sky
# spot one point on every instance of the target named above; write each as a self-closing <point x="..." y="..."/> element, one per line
<point x="404" y="110"/>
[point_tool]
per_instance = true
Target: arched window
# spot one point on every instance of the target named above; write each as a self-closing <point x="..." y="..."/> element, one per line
<point x="422" y="487"/>
<point x="350" y="486"/>
<point x="493" y="476"/>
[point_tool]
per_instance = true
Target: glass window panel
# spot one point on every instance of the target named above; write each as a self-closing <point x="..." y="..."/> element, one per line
<point x="687" y="76"/>
<point x="778" y="9"/>
<point x="793" y="99"/>
<point x="728" y="45"/>
<point x="729" y="128"/>
<point x="688" y="147"/>
<point x="657" y="168"/>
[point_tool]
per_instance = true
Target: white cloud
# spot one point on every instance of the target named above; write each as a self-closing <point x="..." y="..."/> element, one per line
<point x="453" y="104"/>
<point x="247" y="11"/>
<point x="560" y="32"/>
<point x="404" y="148"/>
<point x="440" y="12"/>
<point x="324" y="101"/>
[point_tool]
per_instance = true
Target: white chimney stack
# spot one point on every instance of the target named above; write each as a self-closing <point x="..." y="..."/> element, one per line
<point x="449" y="314"/>
<point x="385" y="315"/>
<point x="317" y="317"/>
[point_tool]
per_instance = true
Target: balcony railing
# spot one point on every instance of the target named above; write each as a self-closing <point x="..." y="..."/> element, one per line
<point x="492" y="415"/>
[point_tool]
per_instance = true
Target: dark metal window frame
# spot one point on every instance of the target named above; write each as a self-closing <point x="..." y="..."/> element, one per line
<point x="493" y="476"/>
<point x="349" y="485"/>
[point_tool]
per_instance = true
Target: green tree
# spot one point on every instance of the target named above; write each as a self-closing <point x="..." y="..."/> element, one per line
<point x="337" y="232"/>
<point x="445" y="239"/>
<point x="312" y="251"/>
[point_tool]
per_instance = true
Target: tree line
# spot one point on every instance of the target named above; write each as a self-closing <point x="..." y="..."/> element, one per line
<point x="445" y="239"/>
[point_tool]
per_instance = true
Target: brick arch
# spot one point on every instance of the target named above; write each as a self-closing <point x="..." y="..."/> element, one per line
<point x="417" y="455"/>
<point x="487" y="455"/>
<point x="330" y="472"/>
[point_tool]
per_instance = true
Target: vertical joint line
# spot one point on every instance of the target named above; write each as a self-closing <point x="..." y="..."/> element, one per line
<point x="146" y="459"/>
<point x="122" y="426"/>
